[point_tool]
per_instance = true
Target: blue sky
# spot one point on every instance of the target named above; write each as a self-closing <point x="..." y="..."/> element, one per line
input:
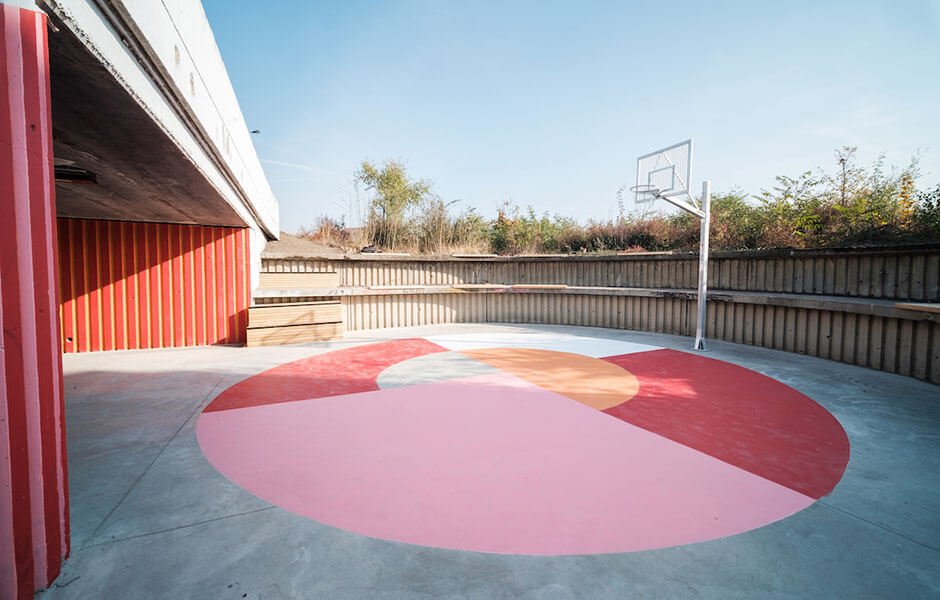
<point x="549" y="103"/>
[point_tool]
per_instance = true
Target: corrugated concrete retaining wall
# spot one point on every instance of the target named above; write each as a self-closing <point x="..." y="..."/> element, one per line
<point x="891" y="274"/>
<point x="832" y="304"/>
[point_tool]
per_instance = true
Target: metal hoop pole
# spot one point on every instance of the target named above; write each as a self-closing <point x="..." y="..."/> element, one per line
<point x="703" y="266"/>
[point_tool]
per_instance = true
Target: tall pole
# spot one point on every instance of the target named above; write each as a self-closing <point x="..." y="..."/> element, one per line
<point x="842" y="198"/>
<point x="703" y="266"/>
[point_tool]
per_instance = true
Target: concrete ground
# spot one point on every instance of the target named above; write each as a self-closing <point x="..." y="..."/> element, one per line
<point x="151" y="518"/>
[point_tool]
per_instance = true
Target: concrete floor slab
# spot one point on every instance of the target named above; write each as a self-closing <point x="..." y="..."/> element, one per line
<point x="178" y="489"/>
<point x="151" y="519"/>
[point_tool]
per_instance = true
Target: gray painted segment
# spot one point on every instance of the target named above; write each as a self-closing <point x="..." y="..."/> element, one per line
<point x="441" y="366"/>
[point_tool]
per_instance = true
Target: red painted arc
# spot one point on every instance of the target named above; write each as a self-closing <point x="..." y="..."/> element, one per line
<point x="346" y="371"/>
<point x="736" y="415"/>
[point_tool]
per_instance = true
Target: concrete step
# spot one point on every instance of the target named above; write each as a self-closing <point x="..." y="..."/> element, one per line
<point x="294" y="334"/>
<point x="295" y="313"/>
<point x="290" y="323"/>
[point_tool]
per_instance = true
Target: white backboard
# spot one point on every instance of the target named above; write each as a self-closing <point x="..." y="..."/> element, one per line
<point x="669" y="170"/>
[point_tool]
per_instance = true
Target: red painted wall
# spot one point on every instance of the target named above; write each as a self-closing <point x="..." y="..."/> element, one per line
<point x="151" y="285"/>
<point x="34" y="529"/>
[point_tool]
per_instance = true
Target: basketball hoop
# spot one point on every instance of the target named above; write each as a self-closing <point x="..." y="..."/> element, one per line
<point x="644" y="193"/>
<point x="666" y="175"/>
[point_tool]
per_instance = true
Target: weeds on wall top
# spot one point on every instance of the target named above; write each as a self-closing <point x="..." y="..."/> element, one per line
<point x="847" y="205"/>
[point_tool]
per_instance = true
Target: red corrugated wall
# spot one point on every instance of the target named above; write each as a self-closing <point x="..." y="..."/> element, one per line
<point x="34" y="529"/>
<point x="132" y="285"/>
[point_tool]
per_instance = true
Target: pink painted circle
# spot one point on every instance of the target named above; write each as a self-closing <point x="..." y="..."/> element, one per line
<point x="495" y="462"/>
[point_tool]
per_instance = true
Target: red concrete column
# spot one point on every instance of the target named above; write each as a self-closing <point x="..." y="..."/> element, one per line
<point x="33" y="496"/>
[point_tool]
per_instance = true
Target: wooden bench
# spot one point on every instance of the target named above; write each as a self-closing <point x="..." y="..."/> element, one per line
<point x="295" y="322"/>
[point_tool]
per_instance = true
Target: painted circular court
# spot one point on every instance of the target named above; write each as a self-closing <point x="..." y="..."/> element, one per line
<point x="544" y="444"/>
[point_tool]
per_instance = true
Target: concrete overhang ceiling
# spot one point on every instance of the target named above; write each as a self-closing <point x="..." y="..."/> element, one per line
<point x="113" y="161"/>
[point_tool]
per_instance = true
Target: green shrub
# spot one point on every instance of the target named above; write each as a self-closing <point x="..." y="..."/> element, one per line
<point x="926" y="213"/>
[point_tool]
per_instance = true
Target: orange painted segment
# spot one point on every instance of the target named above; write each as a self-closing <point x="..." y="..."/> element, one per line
<point x="596" y="383"/>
